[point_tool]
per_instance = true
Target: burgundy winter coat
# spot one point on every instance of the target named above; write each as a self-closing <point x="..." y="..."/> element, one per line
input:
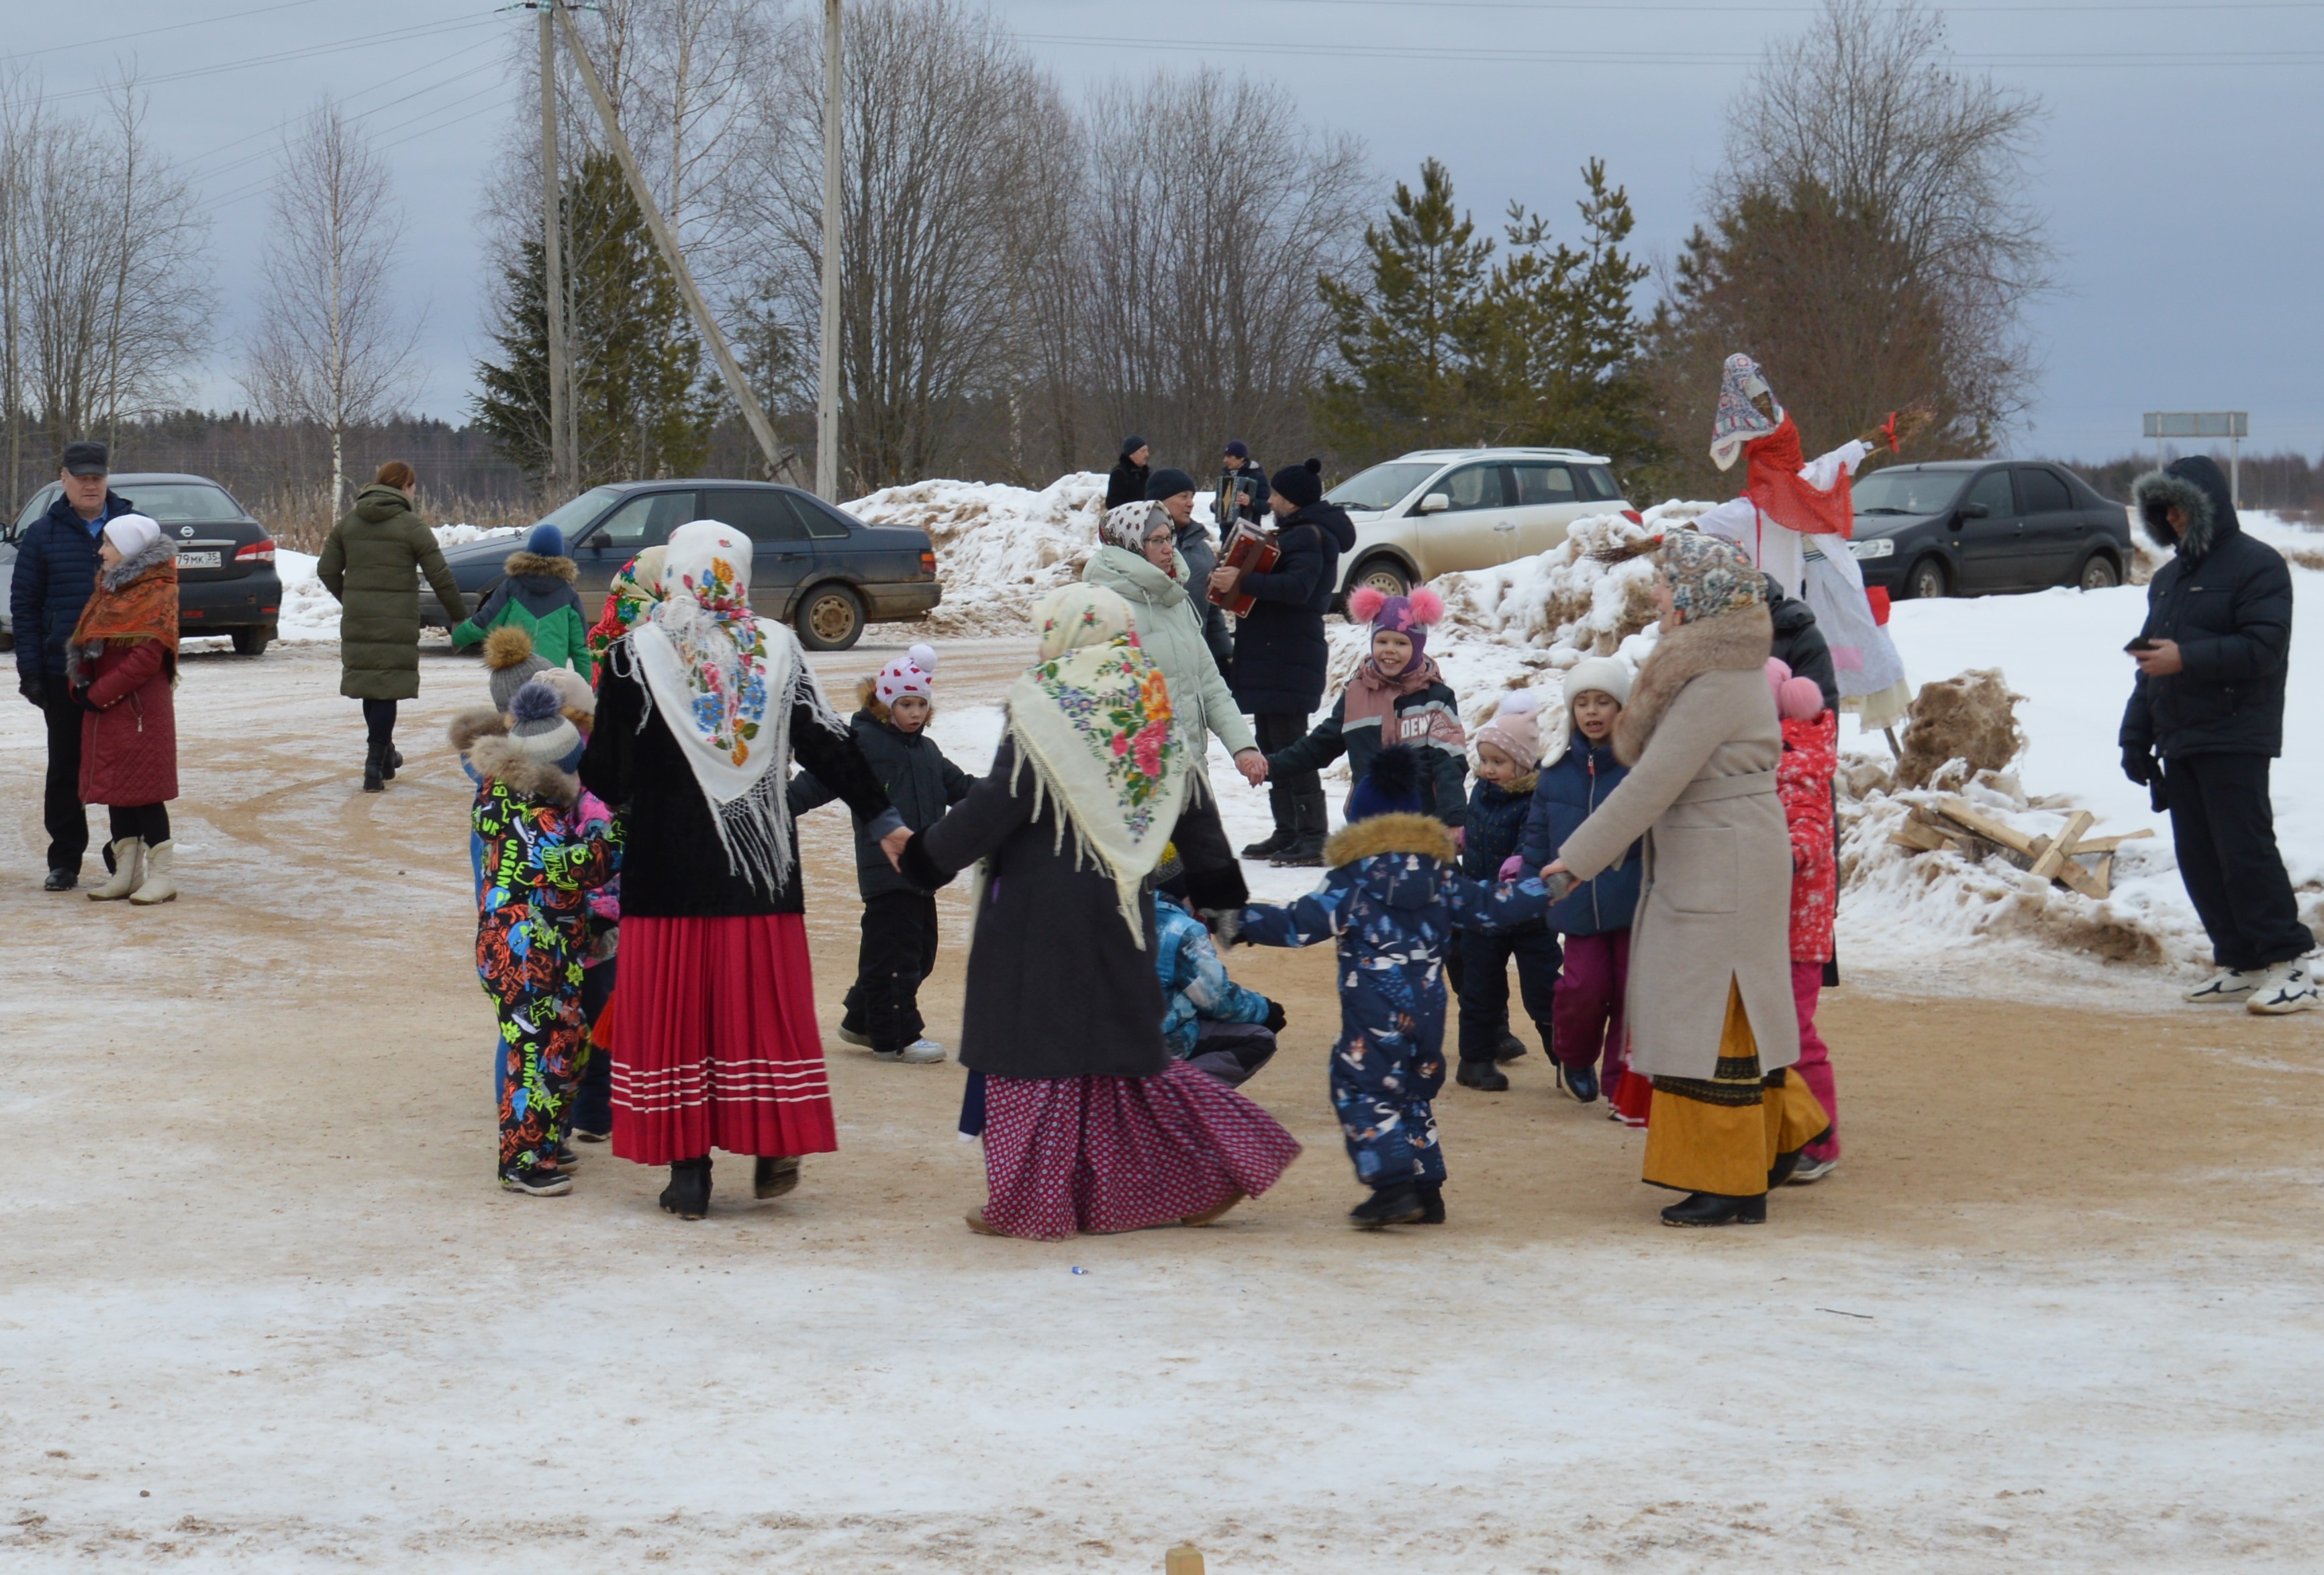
<point x="129" y="746"/>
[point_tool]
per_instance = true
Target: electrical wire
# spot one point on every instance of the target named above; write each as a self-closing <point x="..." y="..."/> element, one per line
<point x="2102" y="8"/>
<point x="193" y="166"/>
<point x="305" y="52"/>
<point x="91" y="43"/>
<point x="1642" y="57"/>
<point x="425" y="128"/>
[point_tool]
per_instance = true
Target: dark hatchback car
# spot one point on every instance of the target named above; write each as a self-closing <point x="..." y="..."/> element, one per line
<point x="1967" y="527"/>
<point x="824" y="573"/>
<point x="226" y="583"/>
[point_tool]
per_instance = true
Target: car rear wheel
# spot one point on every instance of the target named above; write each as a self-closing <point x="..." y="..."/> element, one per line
<point x="252" y="641"/>
<point x="1384" y="574"/>
<point x="1927" y="582"/>
<point x="2100" y="573"/>
<point x="829" y="618"/>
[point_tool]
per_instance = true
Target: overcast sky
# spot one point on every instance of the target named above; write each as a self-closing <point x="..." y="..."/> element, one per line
<point x="2177" y="164"/>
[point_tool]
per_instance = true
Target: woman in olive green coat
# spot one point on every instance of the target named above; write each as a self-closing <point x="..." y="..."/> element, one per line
<point x="369" y="564"/>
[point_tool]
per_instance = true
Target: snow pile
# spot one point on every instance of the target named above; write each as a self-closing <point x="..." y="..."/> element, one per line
<point x="998" y="547"/>
<point x="311" y="612"/>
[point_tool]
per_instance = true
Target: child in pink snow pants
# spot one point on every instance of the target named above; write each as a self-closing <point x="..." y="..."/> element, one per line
<point x="1803" y="779"/>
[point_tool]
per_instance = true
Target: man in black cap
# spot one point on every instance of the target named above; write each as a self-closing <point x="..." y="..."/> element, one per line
<point x="1242" y="488"/>
<point x="1127" y="484"/>
<point x="1174" y="489"/>
<point x="56" y="570"/>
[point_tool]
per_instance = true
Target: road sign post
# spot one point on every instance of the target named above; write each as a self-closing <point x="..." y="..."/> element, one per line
<point x="2234" y="426"/>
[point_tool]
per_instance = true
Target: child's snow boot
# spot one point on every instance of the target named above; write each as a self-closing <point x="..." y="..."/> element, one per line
<point x="1716" y="1209"/>
<point x="687" y="1196"/>
<point x="1580" y="1082"/>
<point x="128" y="871"/>
<point x="1432" y="1205"/>
<point x="157" y="886"/>
<point x="536" y="1182"/>
<point x="1482" y="1075"/>
<point x="1397" y="1205"/>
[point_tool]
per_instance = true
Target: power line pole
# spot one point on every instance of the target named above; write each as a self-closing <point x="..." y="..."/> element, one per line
<point x="737" y="385"/>
<point x="563" y="470"/>
<point x="827" y="399"/>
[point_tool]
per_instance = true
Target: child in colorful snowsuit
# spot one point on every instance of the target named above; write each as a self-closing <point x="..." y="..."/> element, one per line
<point x="537" y="596"/>
<point x="1586" y="1010"/>
<point x="532" y="924"/>
<point x="1208" y="1020"/>
<point x="1803" y="780"/>
<point x="1508" y="752"/>
<point x="898" y="947"/>
<point x="1396" y="697"/>
<point x="1391" y="903"/>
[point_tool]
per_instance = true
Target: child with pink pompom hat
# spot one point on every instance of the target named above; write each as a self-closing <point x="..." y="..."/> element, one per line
<point x="1803" y="780"/>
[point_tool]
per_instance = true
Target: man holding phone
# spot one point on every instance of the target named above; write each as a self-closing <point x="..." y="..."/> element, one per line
<point x="2205" y="721"/>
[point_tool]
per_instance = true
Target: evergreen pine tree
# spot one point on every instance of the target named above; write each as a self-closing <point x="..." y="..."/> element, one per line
<point x="644" y="404"/>
<point x="1408" y="336"/>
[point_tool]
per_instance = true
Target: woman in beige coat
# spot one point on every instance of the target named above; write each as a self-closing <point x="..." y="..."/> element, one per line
<point x="1710" y="1001"/>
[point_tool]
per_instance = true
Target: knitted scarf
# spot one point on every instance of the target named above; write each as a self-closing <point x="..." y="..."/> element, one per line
<point x="1372" y="695"/>
<point x="1091" y="724"/>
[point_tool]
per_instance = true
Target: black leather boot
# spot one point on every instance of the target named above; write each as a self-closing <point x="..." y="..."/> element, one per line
<point x="375" y="780"/>
<point x="1482" y="1074"/>
<point x="1716" y="1209"/>
<point x="1389" y="1206"/>
<point x="687" y="1196"/>
<point x="1432" y="1205"/>
<point x="1268" y="846"/>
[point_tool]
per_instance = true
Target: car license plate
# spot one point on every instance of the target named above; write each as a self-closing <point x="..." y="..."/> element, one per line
<point x="186" y="560"/>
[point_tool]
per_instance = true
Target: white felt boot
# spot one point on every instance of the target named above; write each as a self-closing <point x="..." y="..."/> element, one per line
<point x="158" y="887"/>
<point x="128" y="871"/>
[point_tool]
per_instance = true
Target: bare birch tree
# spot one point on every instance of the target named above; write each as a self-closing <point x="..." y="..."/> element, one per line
<point x="330" y="347"/>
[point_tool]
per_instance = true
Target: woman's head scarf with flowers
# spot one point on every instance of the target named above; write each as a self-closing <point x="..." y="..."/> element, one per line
<point x="725" y="682"/>
<point x="1092" y="720"/>
<point x="636" y="588"/>
<point x="1710" y="575"/>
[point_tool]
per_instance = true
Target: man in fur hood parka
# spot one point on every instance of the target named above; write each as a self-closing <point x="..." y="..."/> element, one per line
<point x="2205" y="719"/>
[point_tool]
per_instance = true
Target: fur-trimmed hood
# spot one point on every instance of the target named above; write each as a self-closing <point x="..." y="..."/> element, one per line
<point x="1736" y="640"/>
<point x="1391" y="833"/>
<point x="501" y="759"/>
<point x="475" y="724"/>
<point x="2195" y="485"/>
<point x="520" y="563"/>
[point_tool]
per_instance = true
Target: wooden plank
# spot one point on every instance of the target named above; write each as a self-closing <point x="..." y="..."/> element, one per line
<point x="1920" y="837"/>
<point x="2079" y="877"/>
<point x="2108" y="844"/>
<point x="1992" y="828"/>
<point x="2052" y="857"/>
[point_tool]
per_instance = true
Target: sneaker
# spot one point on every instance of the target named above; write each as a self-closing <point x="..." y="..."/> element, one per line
<point x="566" y="1157"/>
<point x="1267" y="847"/>
<point x="536" y="1181"/>
<point x="1811" y="1170"/>
<point x="2287" y="987"/>
<point x="2228" y="984"/>
<point x="919" y="1053"/>
<point x="582" y="1135"/>
<point x="848" y="1035"/>
<point x="1482" y="1075"/>
<point x="1512" y="1049"/>
<point x="1580" y="1082"/>
<point x="1389" y="1206"/>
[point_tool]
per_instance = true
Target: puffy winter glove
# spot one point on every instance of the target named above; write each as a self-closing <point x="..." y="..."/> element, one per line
<point x="1275" y="1016"/>
<point x="31" y="687"/>
<point x="2138" y="763"/>
<point x="1513" y="867"/>
<point x="1225" y="923"/>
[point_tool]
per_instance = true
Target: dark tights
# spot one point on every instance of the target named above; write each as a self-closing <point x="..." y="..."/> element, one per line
<point x="149" y="821"/>
<point x="379" y="717"/>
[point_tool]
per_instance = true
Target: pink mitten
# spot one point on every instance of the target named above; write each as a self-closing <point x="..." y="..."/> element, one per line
<point x="1512" y="866"/>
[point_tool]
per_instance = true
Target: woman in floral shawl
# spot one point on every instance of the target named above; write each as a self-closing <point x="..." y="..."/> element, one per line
<point x="1089" y="1125"/>
<point x="701" y="707"/>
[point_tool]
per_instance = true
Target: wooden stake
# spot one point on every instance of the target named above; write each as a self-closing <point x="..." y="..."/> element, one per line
<point x="1185" y="1559"/>
<point x="2047" y="863"/>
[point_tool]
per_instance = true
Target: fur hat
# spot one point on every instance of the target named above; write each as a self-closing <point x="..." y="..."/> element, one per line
<point x="1302" y="484"/>
<point x="1392" y="787"/>
<point x="509" y="654"/>
<point x="538" y="727"/>
<point x="1411" y="616"/>
<point x="1516" y="728"/>
<point x="1796" y="699"/>
<point x="913" y="673"/>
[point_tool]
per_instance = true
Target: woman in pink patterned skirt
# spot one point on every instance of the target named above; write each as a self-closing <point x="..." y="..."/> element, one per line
<point x="701" y="705"/>
<point x="1089" y="1124"/>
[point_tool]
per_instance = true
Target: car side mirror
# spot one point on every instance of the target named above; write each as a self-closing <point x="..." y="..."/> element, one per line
<point x="1970" y="511"/>
<point x="1435" y="503"/>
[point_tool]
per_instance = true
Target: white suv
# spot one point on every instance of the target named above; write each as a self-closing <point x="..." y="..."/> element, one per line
<point x="1438" y="510"/>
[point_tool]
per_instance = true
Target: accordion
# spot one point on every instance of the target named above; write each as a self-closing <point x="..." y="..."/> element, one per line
<point x="1252" y="550"/>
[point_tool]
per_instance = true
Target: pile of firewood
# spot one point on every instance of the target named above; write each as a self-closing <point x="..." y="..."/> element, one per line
<point x="2073" y="859"/>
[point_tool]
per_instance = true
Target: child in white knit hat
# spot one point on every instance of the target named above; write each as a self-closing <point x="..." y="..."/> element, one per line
<point x="899" y="949"/>
<point x="1508" y="751"/>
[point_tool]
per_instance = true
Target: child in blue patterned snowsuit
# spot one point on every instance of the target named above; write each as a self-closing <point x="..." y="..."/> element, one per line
<point x="1392" y="902"/>
<point x="1208" y="1020"/>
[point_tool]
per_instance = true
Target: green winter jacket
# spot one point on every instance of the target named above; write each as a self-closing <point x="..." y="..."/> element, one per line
<point x="537" y="596"/>
<point x="1170" y="628"/>
<point x="369" y="564"/>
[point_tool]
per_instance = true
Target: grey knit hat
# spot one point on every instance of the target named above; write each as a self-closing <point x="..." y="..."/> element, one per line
<point x="538" y="728"/>
<point x="509" y="653"/>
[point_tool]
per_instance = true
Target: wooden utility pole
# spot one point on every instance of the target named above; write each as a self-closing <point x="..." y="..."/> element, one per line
<point x="827" y="397"/>
<point x="564" y="470"/>
<point x="737" y="385"/>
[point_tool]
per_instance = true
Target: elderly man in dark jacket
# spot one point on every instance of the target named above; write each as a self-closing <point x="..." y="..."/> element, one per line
<point x="2209" y="701"/>
<point x="1174" y="489"/>
<point x="56" y="570"/>
<point x="1281" y="654"/>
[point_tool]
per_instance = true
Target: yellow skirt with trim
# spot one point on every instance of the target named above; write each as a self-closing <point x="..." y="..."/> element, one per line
<point x="1722" y="1134"/>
